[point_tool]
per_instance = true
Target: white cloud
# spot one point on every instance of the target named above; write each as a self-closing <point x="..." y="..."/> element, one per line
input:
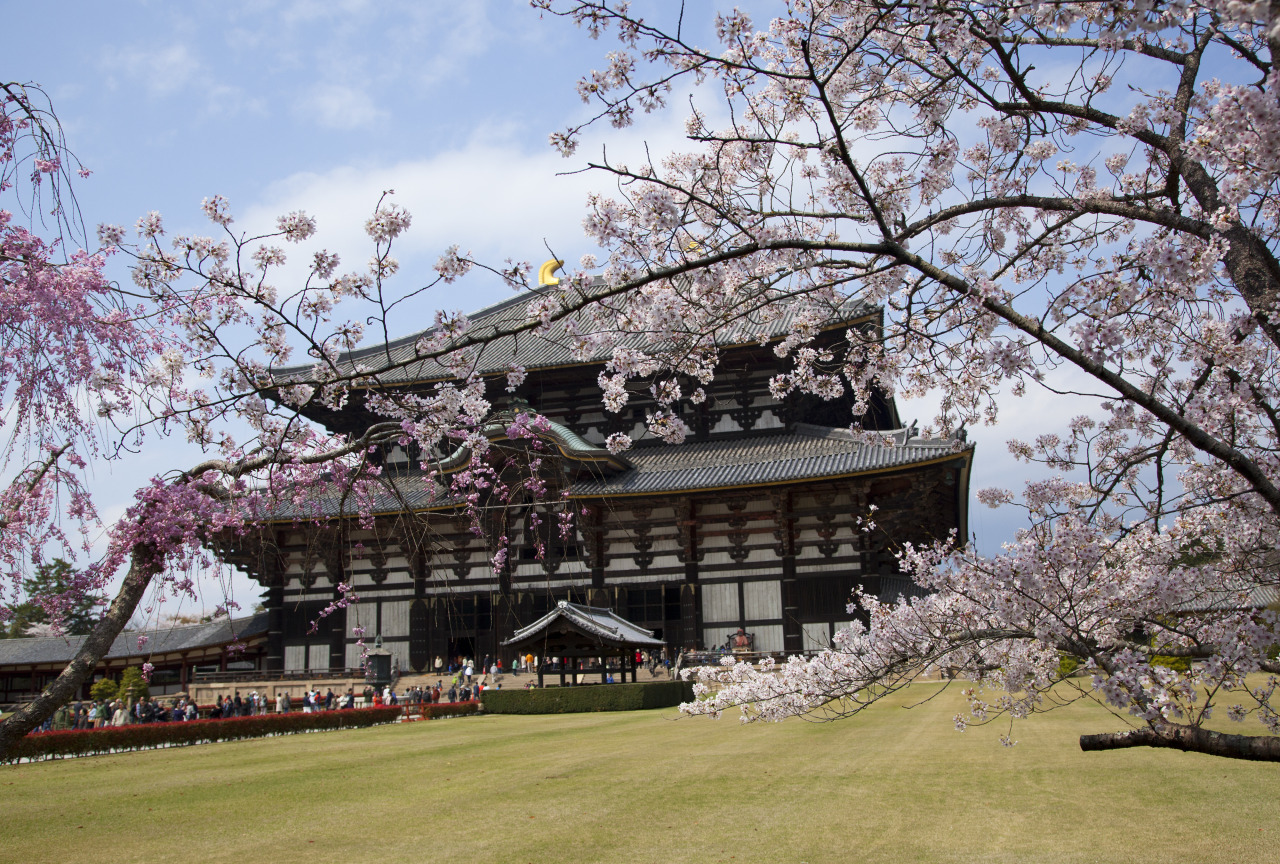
<point x="162" y="70"/>
<point x="339" y="106"/>
<point x="1038" y="412"/>
<point x="495" y="196"/>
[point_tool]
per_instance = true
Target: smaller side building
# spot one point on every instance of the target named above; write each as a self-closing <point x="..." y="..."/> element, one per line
<point x="176" y="653"/>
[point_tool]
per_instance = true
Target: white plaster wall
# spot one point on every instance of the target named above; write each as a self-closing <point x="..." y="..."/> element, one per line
<point x="817" y="636"/>
<point x="725" y="424"/>
<point x="318" y="657"/>
<point x="554" y="583"/>
<point x="720" y="602"/>
<point x="399" y="651"/>
<point x="811" y="552"/>
<point x="363" y="615"/>
<point x="353" y="654"/>
<point x="759" y="560"/>
<point x="768" y="420"/>
<point x="295" y="657"/>
<point x="668" y="543"/>
<point x="762" y="600"/>
<point x="822" y="565"/>
<point x="395" y="618"/>
<point x="768" y="638"/>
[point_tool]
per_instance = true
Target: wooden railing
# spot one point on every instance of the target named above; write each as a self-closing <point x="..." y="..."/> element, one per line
<point x="277" y="675"/>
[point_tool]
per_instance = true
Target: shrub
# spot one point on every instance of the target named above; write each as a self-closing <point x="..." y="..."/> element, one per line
<point x="133" y="685"/>
<point x="593" y="697"/>
<point x="145" y="736"/>
<point x="104" y="689"/>
<point x="1177" y="664"/>
<point x="450" y="709"/>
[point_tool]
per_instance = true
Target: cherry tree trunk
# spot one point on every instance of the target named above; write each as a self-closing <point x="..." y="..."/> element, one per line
<point x="67" y="685"/>
<point x="1260" y="748"/>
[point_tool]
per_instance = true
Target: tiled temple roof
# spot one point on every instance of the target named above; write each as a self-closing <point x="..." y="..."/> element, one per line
<point x="534" y="351"/>
<point x="808" y="453"/>
<point x="60" y="649"/>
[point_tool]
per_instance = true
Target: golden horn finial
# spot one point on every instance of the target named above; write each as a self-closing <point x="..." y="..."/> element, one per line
<point x="544" y="274"/>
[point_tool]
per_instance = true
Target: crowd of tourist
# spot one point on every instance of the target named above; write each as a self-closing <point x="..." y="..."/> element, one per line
<point x="102" y="713"/>
<point x="236" y="706"/>
<point x="466" y="682"/>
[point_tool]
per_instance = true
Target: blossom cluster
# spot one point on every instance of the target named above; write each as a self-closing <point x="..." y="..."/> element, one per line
<point x="998" y="226"/>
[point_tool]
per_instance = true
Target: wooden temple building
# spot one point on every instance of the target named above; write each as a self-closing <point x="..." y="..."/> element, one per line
<point x="755" y="522"/>
<point x="573" y="633"/>
<point x="179" y="654"/>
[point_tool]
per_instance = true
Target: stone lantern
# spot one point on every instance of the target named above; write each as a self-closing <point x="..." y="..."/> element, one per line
<point x="378" y="671"/>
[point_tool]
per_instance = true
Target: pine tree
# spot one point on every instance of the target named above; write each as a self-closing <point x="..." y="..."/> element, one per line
<point x="53" y="581"/>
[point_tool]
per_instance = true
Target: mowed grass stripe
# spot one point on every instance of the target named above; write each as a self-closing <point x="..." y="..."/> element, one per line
<point x="889" y="785"/>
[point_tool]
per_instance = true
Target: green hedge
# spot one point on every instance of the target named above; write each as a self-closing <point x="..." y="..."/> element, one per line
<point x="591" y="697"/>
<point x="434" y="710"/>
<point x="146" y="736"/>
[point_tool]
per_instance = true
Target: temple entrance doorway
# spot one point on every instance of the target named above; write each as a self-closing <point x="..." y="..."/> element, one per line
<point x="463" y="648"/>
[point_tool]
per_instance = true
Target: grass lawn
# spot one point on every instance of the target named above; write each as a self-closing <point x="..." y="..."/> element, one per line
<point x="891" y="785"/>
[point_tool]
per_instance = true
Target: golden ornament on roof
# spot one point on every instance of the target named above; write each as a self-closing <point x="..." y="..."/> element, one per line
<point x="544" y="274"/>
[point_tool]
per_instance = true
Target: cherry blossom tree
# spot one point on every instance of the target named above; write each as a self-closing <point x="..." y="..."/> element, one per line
<point x="91" y="369"/>
<point x="1038" y="194"/>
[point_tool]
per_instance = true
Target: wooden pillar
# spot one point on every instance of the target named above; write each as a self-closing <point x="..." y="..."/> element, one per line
<point x="689" y="618"/>
<point x="785" y="535"/>
<point x="339" y="627"/>
<point x="563" y="662"/>
<point x="604" y="671"/>
<point x="593" y="537"/>
<point x="275" y="624"/>
<point x="438" y="633"/>
<point x="631" y="658"/>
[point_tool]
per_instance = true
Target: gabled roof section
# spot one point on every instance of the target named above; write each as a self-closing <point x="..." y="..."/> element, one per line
<point x="595" y="621"/>
<point x="1245" y="596"/>
<point x="534" y="351"/>
<point x="569" y="445"/>
<point x="60" y="649"/>
<point x="808" y="453"/>
<point x="396" y="490"/>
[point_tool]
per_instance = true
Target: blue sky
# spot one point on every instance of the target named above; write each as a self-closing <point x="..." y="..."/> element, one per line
<point x="323" y="105"/>
<point x="320" y="105"/>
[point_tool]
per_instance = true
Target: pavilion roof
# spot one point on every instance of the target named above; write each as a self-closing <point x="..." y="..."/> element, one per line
<point x="603" y="624"/>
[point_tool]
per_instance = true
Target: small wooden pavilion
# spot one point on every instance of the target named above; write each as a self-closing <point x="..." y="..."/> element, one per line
<point x="571" y="632"/>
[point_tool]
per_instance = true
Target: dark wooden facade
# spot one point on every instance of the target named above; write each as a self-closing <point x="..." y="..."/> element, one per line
<point x="757" y="521"/>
